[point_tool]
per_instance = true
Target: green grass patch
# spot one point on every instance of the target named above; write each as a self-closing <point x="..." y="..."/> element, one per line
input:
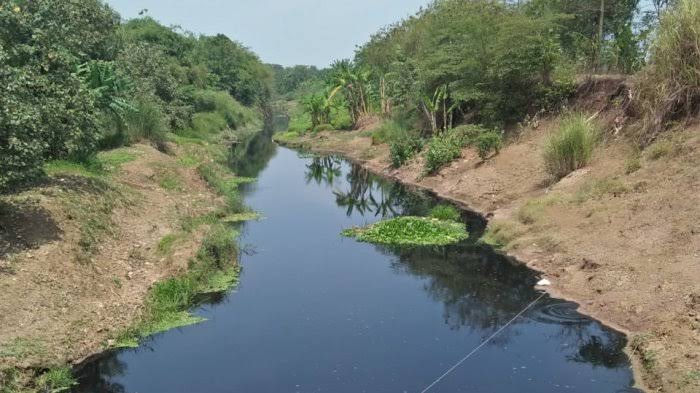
<point x="534" y="209"/>
<point x="21" y="348"/>
<point x="166" y="243"/>
<point x="240" y="217"/>
<point x="410" y="231"/>
<point x="56" y="380"/>
<point x="600" y="188"/>
<point x="170" y="181"/>
<point x="101" y="164"/>
<point x="502" y="234"/>
<point x="289" y="136"/>
<point x="214" y="269"/>
<point x="571" y="147"/>
<point x="445" y="212"/>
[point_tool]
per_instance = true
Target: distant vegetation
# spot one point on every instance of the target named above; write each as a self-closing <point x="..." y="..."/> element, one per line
<point x="493" y="65"/>
<point x="92" y="82"/>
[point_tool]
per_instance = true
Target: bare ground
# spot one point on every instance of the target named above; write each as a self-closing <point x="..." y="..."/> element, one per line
<point x="78" y="255"/>
<point x="625" y="246"/>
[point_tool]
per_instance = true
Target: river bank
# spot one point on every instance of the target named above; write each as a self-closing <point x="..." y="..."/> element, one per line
<point x="89" y="255"/>
<point x="622" y="242"/>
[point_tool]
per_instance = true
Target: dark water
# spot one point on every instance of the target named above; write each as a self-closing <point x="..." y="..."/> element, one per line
<point x="316" y="312"/>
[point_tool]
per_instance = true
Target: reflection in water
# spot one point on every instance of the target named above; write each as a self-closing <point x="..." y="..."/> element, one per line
<point x="478" y="289"/>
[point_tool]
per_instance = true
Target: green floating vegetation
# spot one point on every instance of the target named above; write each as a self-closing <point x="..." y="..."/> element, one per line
<point x="411" y="231"/>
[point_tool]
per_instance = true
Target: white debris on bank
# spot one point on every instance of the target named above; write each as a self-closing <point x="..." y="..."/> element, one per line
<point x="544" y="283"/>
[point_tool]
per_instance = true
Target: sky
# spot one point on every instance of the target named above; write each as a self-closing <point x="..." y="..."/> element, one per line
<point x="287" y="32"/>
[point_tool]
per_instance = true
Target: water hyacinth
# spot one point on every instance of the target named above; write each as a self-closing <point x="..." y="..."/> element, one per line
<point x="410" y="231"/>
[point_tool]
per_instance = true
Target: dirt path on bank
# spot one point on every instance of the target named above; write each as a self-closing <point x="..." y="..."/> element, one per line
<point x="623" y="243"/>
<point x="78" y="254"/>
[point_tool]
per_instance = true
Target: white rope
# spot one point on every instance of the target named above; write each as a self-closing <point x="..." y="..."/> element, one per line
<point x="482" y="344"/>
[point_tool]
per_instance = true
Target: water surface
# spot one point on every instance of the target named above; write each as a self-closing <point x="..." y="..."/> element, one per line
<point x="316" y="312"/>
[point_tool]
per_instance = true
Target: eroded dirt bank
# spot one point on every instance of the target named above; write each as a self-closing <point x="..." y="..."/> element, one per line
<point x="80" y="250"/>
<point x="622" y="241"/>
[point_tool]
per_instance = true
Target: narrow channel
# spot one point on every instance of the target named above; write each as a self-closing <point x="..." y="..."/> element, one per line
<point x="317" y="312"/>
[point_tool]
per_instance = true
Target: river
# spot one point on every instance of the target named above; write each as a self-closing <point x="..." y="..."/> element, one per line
<point x="317" y="312"/>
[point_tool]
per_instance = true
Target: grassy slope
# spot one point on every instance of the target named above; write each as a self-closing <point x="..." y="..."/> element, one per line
<point x="87" y="243"/>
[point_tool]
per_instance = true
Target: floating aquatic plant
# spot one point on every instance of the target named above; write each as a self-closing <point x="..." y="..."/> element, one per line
<point x="410" y="231"/>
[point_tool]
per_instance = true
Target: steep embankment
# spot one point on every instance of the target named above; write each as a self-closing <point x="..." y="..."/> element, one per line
<point x="80" y="251"/>
<point x="621" y="236"/>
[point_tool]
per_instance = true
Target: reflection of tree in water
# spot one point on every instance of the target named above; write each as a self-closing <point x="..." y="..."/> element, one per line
<point x="95" y="375"/>
<point x="367" y="194"/>
<point x="323" y="170"/>
<point x="251" y="155"/>
<point x="602" y="350"/>
<point x="481" y="291"/>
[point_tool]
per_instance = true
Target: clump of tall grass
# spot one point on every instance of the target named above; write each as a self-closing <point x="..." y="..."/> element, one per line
<point x="668" y="89"/>
<point x="571" y="148"/>
<point x="387" y="131"/>
<point x="146" y="121"/>
<point x="230" y="112"/>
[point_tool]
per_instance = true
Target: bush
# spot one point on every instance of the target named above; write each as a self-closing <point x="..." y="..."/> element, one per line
<point x="445" y="212"/>
<point x="146" y="121"/>
<point x="571" y="148"/>
<point x="221" y="103"/>
<point x="668" y="88"/>
<point x="209" y="123"/>
<point x="487" y="142"/>
<point x="387" y="131"/>
<point x="300" y="123"/>
<point x="404" y="148"/>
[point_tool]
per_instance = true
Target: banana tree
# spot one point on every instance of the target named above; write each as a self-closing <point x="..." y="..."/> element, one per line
<point x="318" y="106"/>
<point x="354" y="83"/>
<point x="441" y="101"/>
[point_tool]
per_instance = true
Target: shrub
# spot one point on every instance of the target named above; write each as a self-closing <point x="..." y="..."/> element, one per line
<point x="146" y="121"/>
<point x="445" y="212"/>
<point x="220" y="102"/>
<point x="387" y="131"/>
<point x="443" y="149"/>
<point x="300" y="123"/>
<point x="56" y="380"/>
<point x="487" y="142"/>
<point x="404" y="148"/>
<point x="209" y="123"/>
<point x="668" y="88"/>
<point x="571" y="148"/>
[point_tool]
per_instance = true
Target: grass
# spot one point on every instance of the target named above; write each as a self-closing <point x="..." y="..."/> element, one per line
<point x="533" y="210"/>
<point x="410" y="231"/>
<point x="166" y="243"/>
<point x="388" y="131"/>
<point x="600" y="188"/>
<point x="633" y="164"/>
<point x="502" y="234"/>
<point x="288" y="136"/>
<point x="56" y="380"/>
<point x="214" y="269"/>
<point x="667" y="90"/>
<point x="99" y="165"/>
<point x="445" y="212"/>
<point x="20" y="348"/>
<point x="170" y="181"/>
<point x="571" y="148"/>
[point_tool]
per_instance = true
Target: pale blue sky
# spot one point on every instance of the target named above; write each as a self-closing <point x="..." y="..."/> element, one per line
<point x="284" y="32"/>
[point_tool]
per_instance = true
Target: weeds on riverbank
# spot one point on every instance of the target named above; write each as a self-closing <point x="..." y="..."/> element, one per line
<point x="445" y="212"/>
<point x="410" y="231"/>
<point x="572" y="147"/>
